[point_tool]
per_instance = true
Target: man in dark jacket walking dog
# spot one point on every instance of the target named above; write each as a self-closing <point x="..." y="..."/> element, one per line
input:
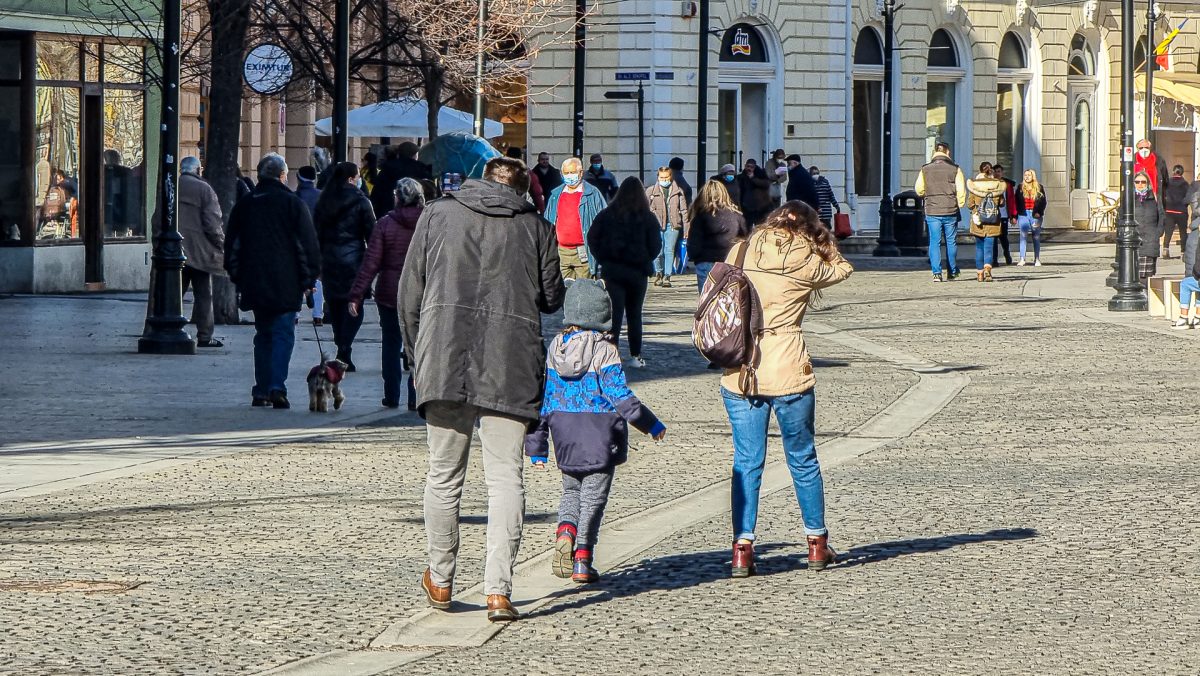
<point x="271" y="254"/>
<point x="481" y="267"/>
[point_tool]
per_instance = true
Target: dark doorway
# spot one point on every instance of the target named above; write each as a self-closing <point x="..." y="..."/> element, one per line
<point x="93" y="189"/>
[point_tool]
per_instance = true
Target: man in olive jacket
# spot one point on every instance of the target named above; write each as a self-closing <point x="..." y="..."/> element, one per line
<point x="200" y="225"/>
<point x="481" y="267"/>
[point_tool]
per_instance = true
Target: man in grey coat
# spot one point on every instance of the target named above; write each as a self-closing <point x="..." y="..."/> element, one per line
<point x="203" y="245"/>
<point x="481" y="267"/>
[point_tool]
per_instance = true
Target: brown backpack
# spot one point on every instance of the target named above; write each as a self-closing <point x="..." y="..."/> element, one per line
<point x="729" y="319"/>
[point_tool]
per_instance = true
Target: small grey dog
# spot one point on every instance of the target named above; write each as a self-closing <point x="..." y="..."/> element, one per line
<point x="324" y="385"/>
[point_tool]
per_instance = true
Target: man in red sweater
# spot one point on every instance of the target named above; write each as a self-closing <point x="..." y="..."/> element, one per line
<point x="571" y="207"/>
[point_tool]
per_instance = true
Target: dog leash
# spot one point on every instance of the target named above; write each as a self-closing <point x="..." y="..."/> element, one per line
<point x="320" y="346"/>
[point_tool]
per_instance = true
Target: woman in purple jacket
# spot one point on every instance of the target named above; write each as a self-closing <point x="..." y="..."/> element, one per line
<point x="385" y="257"/>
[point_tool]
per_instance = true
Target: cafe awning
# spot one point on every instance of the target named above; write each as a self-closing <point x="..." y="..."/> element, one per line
<point x="1183" y="87"/>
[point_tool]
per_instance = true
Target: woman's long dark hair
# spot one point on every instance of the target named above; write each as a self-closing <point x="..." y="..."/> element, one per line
<point x="799" y="219"/>
<point x="630" y="200"/>
<point x="342" y="172"/>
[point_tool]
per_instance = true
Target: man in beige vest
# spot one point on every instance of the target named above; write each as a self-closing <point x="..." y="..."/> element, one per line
<point x="942" y="185"/>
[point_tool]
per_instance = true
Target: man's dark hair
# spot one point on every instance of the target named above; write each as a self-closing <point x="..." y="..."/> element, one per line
<point x="998" y="166"/>
<point x="408" y="149"/>
<point x="942" y="147"/>
<point x="596" y="157"/>
<point x="1177" y="170"/>
<point x="508" y="171"/>
<point x="514" y="152"/>
<point x="307" y="173"/>
<point x="676" y="164"/>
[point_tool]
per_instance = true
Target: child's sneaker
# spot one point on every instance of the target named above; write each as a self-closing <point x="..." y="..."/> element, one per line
<point x="1181" y="323"/>
<point x="583" y="572"/>
<point x="564" y="552"/>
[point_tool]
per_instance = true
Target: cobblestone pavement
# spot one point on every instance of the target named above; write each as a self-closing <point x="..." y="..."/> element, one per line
<point x="1041" y="522"/>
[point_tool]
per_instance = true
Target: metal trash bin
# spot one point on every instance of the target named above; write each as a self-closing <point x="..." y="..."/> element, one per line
<point x="908" y="223"/>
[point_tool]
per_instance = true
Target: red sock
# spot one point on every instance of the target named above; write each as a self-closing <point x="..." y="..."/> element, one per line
<point x="565" y="529"/>
<point x="583" y="554"/>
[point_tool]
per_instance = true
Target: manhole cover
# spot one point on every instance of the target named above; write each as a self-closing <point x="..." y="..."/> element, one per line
<point x="67" y="586"/>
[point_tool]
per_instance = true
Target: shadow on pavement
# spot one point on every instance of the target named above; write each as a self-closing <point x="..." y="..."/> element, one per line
<point x="680" y="571"/>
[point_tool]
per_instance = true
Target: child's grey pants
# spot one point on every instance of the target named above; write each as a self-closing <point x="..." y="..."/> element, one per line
<point x="583" y="500"/>
<point x="450" y="427"/>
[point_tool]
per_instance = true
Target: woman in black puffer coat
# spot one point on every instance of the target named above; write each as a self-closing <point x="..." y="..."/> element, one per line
<point x="1149" y="216"/>
<point x="715" y="223"/>
<point x="344" y="219"/>
<point x="625" y="240"/>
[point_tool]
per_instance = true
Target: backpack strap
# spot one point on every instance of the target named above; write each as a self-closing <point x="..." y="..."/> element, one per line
<point x="740" y="261"/>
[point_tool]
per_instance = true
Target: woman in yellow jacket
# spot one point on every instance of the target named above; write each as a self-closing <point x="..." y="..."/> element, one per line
<point x="790" y="255"/>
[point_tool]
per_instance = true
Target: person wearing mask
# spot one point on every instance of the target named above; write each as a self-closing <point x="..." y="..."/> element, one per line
<point x="986" y="202"/>
<point x="789" y="256"/>
<point x="600" y="177"/>
<point x="676" y="165"/>
<point x="1175" y="205"/>
<point x="344" y="220"/>
<point x="1149" y="218"/>
<point x="306" y="190"/>
<point x="727" y="176"/>
<point x="800" y="184"/>
<point x="755" y="189"/>
<point x="777" y="171"/>
<point x="626" y="240"/>
<point x="670" y="207"/>
<point x="548" y="176"/>
<point x="386" y="250"/>
<point x="944" y="190"/>
<point x="471" y="317"/>
<point x="1007" y="216"/>
<point x="272" y="257"/>
<point x="714" y="224"/>
<point x="399" y="162"/>
<point x="1155" y="167"/>
<point x="572" y="207"/>
<point x="200" y="225"/>
<point x="1032" y="197"/>
<point x="827" y="201"/>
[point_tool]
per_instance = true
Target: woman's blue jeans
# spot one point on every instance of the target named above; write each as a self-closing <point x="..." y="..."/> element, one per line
<point x="670" y="237"/>
<point x="749" y="417"/>
<point x="983" y="251"/>
<point x="1030" y="225"/>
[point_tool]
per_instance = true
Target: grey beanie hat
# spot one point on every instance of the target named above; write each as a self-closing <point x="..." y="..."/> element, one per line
<point x="587" y="306"/>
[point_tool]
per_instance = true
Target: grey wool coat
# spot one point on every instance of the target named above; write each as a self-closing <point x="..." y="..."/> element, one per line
<point x="482" y="266"/>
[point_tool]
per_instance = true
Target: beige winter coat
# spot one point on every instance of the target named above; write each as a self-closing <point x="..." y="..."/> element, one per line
<point x="979" y="189"/>
<point x="784" y="270"/>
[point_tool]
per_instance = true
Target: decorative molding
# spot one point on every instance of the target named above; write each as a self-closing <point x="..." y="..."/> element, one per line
<point x="952" y="6"/>
<point x="1022" y="10"/>
<point x="1089" y="10"/>
<point x="878" y="13"/>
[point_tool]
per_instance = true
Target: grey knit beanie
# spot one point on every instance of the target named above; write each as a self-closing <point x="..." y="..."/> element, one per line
<point x="587" y="306"/>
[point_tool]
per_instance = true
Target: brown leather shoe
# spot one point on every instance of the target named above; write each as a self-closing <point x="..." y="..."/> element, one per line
<point x="500" y="609"/>
<point x="438" y="597"/>
<point x="743" y="560"/>
<point x="820" y="554"/>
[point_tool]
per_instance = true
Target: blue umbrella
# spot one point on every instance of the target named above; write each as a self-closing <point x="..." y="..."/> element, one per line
<point x="458" y="152"/>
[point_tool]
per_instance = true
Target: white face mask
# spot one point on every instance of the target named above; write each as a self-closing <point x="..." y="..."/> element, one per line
<point x="1144" y="152"/>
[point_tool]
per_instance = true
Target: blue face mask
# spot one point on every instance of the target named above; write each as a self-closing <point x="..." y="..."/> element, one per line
<point x="572" y="180"/>
<point x="728" y="178"/>
<point x="665" y="184"/>
<point x="597" y="167"/>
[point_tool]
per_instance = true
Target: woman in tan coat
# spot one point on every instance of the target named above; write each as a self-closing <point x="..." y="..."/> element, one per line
<point x="791" y="255"/>
<point x="986" y="202"/>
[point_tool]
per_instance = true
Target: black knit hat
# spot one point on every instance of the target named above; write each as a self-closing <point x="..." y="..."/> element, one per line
<point x="587" y="306"/>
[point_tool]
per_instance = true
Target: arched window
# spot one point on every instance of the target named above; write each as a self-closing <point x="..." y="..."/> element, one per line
<point x="1139" y="55"/>
<point x="1082" y="85"/>
<point x="1013" y="77"/>
<point x="868" y="113"/>
<point x="945" y="76"/>
<point x="1082" y="59"/>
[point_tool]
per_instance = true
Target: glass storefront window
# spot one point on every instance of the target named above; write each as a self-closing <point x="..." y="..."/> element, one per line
<point x="10" y="164"/>
<point x="10" y="59"/>
<point x="868" y="137"/>
<point x="58" y="60"/>
<point x="124" y="163"/>
<point x="56" y="182"/>
<point x="124" y="64"/>
<point x="939" y="115"/>
<point x="1010" y="117"/>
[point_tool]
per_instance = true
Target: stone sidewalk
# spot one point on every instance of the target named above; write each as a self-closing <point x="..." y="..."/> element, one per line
<point x="1037" y="522"/>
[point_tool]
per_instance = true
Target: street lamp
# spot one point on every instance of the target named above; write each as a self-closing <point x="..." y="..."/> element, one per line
<point x="1153" y="14"/>
<point x="341" y="78"/>
<point x="887" y="236"/>
<point x="1130" y="296"/>
<point x="164" y="332"/>
<point x="479" y="35"/>
<point x="580" y="76"/>
<point x="702" y="99"/>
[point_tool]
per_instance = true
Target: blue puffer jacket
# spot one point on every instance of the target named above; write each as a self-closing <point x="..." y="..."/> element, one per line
<point x="587" y="406"/>
<point x="591" y="204"/>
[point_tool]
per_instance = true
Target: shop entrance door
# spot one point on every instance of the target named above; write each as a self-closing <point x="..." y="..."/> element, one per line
<point x="92" y="209"/>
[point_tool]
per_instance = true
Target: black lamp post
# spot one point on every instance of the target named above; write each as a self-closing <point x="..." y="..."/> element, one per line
<point x="1152" y="17"/>
<point x="1130" y="296"/>
<point x="580" y="76"/>
<point x="887" y="234"/>
<point x="702" y="98"/>
<point x="164" y="332"/>
<point x="341" y="78"/>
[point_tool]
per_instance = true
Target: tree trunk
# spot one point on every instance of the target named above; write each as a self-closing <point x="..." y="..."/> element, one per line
<point x="433" y="98"/>
<point x="230" y="18"/>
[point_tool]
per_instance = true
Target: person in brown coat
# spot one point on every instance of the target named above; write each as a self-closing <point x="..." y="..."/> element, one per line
<point x="670" y="207"/>
<point x="203" y="245"/>
<point x="986" y="202"/>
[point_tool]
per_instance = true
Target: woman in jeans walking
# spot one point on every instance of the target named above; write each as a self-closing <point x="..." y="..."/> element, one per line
<point x="385" y="258"/>
<point x="625" y="240"/>
<point x="670" y="207"/>
<point x="790" y="255"/>
<point x="715" y="223"/>
<point x="986" y="202"/>
<point x="1031" y="207"/>
<point x="344" y="218"/>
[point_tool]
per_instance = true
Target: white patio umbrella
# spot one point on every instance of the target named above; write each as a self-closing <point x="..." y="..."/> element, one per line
<point x="406" y="118"/>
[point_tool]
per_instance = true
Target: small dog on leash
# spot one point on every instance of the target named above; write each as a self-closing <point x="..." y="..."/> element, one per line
<point x="324" y="385"/>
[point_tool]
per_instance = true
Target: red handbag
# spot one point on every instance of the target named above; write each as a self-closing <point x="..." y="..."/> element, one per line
<point x="841" y="226"/>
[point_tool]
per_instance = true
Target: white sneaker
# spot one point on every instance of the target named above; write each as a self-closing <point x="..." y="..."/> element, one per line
<point x="1021" y="262"/>
<point x="1181" y="323"/>
<point x="635" y="362"/>
<point x="1037" y="264"/>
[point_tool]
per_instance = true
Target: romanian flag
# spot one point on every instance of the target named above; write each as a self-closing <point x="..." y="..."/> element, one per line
<point x="1162" y="53"/>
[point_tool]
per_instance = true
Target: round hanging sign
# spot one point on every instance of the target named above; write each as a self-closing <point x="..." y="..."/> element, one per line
<point x="267" y="69"/>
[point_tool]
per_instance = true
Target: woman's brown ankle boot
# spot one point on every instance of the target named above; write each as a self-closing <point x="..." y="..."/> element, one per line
<point x="820" y="554"/>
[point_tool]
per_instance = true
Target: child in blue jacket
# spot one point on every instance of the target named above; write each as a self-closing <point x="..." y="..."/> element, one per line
<point x="586" y="409"/>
